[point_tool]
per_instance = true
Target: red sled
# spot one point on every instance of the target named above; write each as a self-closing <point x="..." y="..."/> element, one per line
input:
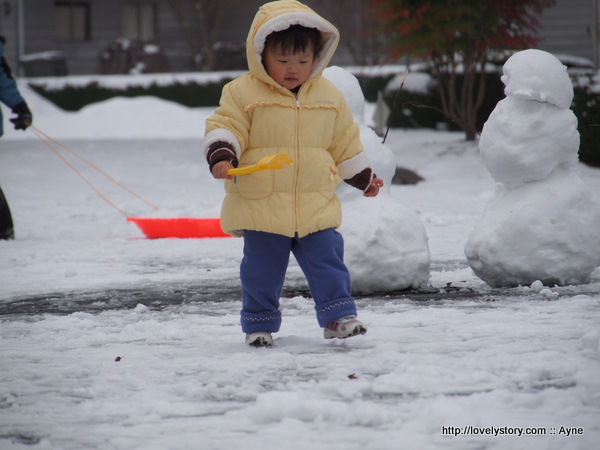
<point x="179" y="227"/>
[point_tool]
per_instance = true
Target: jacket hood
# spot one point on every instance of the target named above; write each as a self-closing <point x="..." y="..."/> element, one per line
<point x="278" y="16"/>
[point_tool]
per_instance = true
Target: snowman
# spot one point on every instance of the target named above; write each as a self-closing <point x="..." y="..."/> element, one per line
<point x="386" y="246"/>
<point x="543" y="222"/>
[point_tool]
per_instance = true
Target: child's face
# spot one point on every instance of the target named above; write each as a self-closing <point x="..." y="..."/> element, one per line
<point x="289" y="69"/>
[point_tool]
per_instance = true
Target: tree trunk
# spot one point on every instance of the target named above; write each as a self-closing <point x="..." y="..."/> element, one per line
<point x="209" y="18"/>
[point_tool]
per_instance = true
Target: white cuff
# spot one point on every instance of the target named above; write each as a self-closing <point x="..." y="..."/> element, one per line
<point x="222" y="135"/>
<point x="352" y="166"/>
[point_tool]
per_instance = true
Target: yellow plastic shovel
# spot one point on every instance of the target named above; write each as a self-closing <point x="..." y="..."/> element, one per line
<point x="273" y="162"/>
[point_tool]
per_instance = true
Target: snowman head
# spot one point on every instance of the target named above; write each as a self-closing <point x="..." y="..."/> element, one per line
<point x="537" y="75"/>
<point x="350" y="87"/>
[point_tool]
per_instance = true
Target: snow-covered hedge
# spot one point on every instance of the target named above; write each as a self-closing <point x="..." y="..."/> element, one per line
<point x="73" y="93"/>
<point x="190" y="89"/>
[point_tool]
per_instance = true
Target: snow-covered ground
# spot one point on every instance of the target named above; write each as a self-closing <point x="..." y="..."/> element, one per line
<point x="109" y="340"/>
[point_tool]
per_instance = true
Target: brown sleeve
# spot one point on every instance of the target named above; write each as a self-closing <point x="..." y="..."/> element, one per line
<point x="220" y="151"/>
<point x="362" y="179"/>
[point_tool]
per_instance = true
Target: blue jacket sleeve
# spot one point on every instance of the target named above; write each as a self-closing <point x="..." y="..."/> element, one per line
<point x="9" y="94"/>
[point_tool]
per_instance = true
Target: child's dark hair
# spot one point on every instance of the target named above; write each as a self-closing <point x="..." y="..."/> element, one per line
<point x="296" y="38"/>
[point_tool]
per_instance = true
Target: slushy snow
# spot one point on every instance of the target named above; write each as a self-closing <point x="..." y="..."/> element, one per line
<point x="543" y="221"/>
<point x="112" y="341"/>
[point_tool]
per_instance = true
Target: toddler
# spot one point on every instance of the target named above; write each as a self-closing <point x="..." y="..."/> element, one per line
<point x="283" y="104"/>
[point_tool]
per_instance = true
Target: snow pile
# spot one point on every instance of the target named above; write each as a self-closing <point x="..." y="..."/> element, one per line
<point x="543" y="221"/>
<point x="116" y="118"/>
<point x="386" y="246"/>
<point x="416" y="82"/>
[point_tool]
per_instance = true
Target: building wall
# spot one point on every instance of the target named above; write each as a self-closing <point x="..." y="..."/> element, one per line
<point x="8" y="17"/>
<point x="84" y="57"/>
<point x="571" y="28"/>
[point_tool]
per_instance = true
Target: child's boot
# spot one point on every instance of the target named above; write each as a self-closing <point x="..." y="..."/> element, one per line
<point x="344" y="328"/>
<point x="259" y="339"/>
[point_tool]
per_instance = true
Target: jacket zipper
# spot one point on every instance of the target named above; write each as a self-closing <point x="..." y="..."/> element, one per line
<point x="296" y="200"/>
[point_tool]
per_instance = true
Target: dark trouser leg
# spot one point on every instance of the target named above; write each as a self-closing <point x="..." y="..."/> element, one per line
<point x="262" y="273"/>
<point x="321" y="258"/>
<point x="6" y="223"/>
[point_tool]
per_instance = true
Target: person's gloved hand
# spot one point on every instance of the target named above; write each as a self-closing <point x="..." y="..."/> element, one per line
<point x="24" y="117"/>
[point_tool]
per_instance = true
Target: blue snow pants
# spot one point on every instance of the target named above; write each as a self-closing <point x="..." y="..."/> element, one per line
<point x="320" y="255"/>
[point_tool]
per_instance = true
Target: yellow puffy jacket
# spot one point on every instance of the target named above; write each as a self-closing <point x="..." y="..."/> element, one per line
<point x="257" y="117"/>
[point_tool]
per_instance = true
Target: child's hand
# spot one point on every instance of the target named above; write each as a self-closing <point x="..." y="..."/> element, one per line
<point x="373" y="189"/>
<point x="220" y="170"/>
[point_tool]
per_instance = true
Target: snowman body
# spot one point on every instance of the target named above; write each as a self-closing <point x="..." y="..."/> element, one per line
<point x="542" y="223"/>
<point x="385" y="244"/>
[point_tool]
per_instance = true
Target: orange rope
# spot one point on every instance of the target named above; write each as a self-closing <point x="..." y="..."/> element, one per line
<point x="43" y="135"/>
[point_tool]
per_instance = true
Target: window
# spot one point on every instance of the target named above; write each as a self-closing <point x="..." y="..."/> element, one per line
<point x="72" y="21"/>
<point x="139" y="21"/>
